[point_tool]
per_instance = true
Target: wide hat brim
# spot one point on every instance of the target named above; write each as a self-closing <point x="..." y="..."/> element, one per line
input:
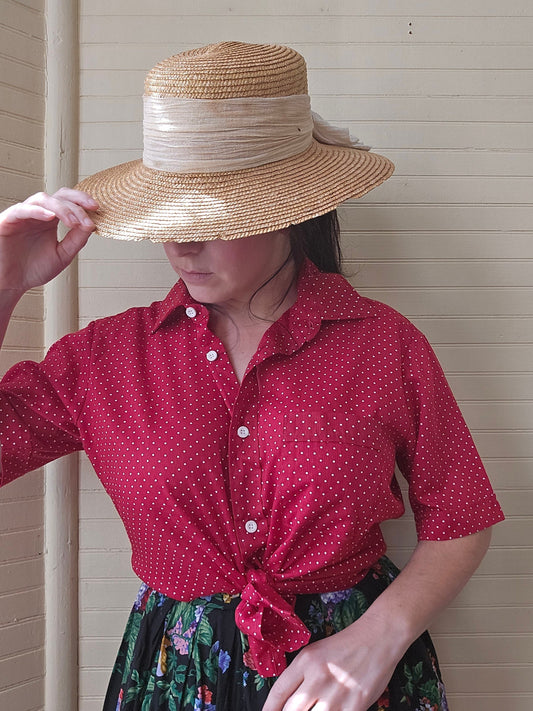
<point x="139" y="203"/>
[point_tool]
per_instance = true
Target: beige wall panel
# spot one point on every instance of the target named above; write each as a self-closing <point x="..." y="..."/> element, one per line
<point x="16" y="158"/>
<point x="96" y="304"/>
<point x="194" y="29"/>
<point x="29" y="52"/>
<point x="444" y="89"/>
<point x="102" y="622"/>
<point x="500" y="387"/>
<point x="115" y="564"/>
<point x="21" y="503"/>
<point x="24" y="18"/>
<point x="484" y="8"/>
<point x="456" y="162"/>
<point x="501" y="620"/>
<point x="413" y="218"/>
<point x="436" y="245"/>
<point x="21" y="575"/>
<point x="484" y="359"/>
<point x="12" y="605"/>
<point x="21" y="103"/>
<point x="26" y="697"/>
<point x="29" y="78"/>
<point x="103" y="534"/>
<point x="11" y="520"/>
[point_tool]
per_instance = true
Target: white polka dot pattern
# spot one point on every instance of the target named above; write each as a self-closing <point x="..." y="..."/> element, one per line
<point x="290" y="473"/>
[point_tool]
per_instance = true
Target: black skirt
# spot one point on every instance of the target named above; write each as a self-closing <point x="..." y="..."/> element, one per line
<point x="190" y="656"/>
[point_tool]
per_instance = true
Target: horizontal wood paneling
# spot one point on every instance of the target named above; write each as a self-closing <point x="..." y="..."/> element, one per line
<point x="21" y="503"/>
<point x="310" y="8"/>
<point x="344" y="29"/>
<point x="23" y="697"/>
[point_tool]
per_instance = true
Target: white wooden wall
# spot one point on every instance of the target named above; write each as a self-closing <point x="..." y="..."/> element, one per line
<point x="21" y="503"/>
<point x="445" y="90"/>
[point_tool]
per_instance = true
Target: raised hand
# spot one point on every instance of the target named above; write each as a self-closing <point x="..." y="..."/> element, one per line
<point x="30" y="252"/>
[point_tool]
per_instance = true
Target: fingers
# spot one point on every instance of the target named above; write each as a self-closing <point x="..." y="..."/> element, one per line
<point x="26" y="211"/>
<point x="67" y="205"/>
<point x="315" y="683"/>
<point x="77" y="196"/>
<point x="286" y="685"/>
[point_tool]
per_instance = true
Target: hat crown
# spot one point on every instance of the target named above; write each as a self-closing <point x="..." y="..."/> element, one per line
<point x="229" y="70"/>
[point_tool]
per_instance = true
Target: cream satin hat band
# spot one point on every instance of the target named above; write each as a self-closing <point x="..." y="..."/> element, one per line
<point x="214" y="135"/>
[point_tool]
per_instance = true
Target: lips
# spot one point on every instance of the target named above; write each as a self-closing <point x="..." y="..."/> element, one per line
<point x="194" y="276"/>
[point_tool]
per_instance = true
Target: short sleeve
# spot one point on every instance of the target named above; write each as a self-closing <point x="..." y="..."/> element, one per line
<point x="449" y="490"/>
<point x="40" y="404"/>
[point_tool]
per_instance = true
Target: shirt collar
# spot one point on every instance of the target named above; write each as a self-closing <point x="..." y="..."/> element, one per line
<point x="330" y="296"/>
<point x="321" y="297"/>
<point x="174" y="304"/>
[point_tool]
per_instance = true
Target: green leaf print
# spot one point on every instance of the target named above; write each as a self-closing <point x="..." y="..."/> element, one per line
<point x="147" y="700"/>
<point x="413" y="676"/>
<point x="349" y="610"/>
<point x="195" y="657"/>
<point x="171" y="694"/>
<point x="137" y="687"/>
<point x="132" y="632"/>
<point x="431" y="691"/>
<point x="210" y="667"/>
<point x="204" y="632"/>
<point x="259" y="682"/>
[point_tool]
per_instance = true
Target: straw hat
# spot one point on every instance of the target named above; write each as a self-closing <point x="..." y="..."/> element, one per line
<point x="190" y="184"/>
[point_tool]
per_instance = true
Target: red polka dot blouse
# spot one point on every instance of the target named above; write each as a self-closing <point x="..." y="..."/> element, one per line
<point x="270" y="488"/>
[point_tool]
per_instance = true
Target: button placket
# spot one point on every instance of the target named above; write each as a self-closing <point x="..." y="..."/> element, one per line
<point x="245" y="471"/>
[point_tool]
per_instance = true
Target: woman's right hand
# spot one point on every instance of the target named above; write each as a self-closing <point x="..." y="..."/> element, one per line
<point x="30" y="252"/>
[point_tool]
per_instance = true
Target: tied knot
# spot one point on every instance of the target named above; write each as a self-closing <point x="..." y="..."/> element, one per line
<point x="270" y="622"/>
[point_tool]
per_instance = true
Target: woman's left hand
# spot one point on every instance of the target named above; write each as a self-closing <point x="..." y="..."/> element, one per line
<point x="345" y="672"/>
<point x="350" y="670"/>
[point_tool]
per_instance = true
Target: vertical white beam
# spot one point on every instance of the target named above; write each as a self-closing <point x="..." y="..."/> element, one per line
<point x="61" y="493"/>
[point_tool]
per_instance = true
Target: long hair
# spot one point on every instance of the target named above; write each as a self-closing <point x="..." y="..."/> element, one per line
<point x="318" y="239"/>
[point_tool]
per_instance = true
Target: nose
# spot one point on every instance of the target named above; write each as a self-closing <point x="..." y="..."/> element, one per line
<point x="183" y="248"/>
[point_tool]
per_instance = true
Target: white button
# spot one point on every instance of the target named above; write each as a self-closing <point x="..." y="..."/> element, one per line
<point x="250" y="526"/>
<point x="190" y="311"/>
<point x="243" y="432"/>
<point x="212" y="355"/>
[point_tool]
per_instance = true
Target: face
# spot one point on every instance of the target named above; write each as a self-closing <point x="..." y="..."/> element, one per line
<point x="228" y="272"/>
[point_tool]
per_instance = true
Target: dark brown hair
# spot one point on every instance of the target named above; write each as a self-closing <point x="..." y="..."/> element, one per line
<point x="317" y="239"/>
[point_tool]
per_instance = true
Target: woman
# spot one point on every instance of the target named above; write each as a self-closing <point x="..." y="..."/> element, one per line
<point x="247" y="427"/>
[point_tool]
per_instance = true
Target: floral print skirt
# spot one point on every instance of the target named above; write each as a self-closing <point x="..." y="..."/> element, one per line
<point x="190" y="656"/>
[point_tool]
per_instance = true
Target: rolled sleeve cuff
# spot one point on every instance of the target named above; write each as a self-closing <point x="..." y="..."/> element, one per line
<point x="435" y="524"/>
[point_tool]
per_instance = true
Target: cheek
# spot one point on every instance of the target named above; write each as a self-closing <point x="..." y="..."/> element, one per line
<point x="258" y="255"/>
<point x="170" y="254"/>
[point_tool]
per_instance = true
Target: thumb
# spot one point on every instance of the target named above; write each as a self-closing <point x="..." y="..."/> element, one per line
<point x="72" y="243"/>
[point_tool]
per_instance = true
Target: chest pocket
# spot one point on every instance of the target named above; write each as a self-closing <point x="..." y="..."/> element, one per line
<point x="334" y="426"/>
